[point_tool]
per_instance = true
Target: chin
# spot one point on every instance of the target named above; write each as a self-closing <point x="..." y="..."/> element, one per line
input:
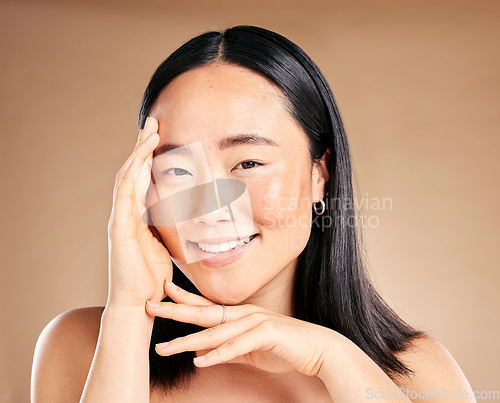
<point x="227" y="300"/>
<point x="234" y="297"/>
<point x="230" y="294"/>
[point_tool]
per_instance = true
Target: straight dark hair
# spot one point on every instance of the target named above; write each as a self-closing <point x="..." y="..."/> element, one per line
<point x="331" y="286"/>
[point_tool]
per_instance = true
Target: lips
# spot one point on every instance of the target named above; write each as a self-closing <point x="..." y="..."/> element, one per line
<point x="216" y="254"/>
<point x="212" y="247"/>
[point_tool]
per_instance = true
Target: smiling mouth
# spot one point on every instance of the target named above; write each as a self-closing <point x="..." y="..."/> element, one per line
<point x="223" y="247"/>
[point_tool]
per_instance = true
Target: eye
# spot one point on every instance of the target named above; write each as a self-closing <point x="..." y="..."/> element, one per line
<point x="248" y="164"/>
<point x="176" y="172"/>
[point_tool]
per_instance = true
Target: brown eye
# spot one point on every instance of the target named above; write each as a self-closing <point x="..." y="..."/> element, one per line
<point x="248" y="164"/>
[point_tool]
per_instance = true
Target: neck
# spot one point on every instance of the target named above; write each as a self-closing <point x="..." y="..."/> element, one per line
<point x="278" y="294"/>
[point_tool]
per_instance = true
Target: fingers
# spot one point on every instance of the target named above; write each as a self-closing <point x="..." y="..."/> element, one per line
<point x="183" y="296"/>
<point x="246" y="328"/>
<point x="213" y="337"/>
<point x="143" y="176"/>
<point x="137" y="160"/>
<point x="196" y="309"/>
<point x="150" y="126"/>
<point x="126" y="185"/>
<point x="239" y="346"/>
<point x="204" y="315"/>
<point x="201" y="315"/>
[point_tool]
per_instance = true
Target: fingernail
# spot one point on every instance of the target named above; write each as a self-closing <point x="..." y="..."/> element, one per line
<point x="161" y="345"/>
<point x="172" y="285"/>
<point x="153" y="304"/>
<point x="146" y="122"/>
<point x="200" y="358"/>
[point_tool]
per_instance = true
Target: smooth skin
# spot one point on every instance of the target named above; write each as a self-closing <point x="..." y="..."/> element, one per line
<point x="260" y="353"/>
<point x="211" y="105"/>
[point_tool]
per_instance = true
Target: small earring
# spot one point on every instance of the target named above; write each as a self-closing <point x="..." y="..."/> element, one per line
<point x="323" y="207"/>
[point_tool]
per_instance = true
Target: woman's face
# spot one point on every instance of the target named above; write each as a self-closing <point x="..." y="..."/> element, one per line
<point x="235" y="142"/>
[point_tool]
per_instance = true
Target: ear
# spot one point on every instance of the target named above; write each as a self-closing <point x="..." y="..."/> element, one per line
<point x="320" y="176"/>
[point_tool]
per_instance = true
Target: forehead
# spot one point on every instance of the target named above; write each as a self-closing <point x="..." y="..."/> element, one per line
<point x="220" y="95"/>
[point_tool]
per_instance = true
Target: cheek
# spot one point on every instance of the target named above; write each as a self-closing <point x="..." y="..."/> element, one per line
<point x="171" y="241"/>
<point x="282" y="201"/>
<point x="160" y="215"/>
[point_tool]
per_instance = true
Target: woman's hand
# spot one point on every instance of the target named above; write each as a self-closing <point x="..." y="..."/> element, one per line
<point x="249" y="335"/>
<point x="138" y="261"/>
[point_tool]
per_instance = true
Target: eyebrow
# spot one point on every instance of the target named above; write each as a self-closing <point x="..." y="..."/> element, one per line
<point x="173" y="148"/>
<point x="243" y="139"/>
<point x="228" y="142"/>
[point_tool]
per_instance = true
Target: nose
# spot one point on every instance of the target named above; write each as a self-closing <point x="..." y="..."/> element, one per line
<point x="208" y="209"/>
<point x="215" y="217"/>
<point x="208" y="203"/>
<point x="215" y="210"/>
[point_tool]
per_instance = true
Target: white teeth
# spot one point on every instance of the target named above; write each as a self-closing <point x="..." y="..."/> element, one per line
<point x="223" y="247"/>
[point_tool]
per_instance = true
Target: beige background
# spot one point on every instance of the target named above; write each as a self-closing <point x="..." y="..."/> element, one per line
<point x="416" y="82"/>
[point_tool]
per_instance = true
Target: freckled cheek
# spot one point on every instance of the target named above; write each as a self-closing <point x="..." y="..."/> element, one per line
<point x="276" y="202"/>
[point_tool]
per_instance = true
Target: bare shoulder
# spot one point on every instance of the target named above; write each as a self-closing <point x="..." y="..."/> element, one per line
<point x="63" y="355"/>
<point x="433" y="367"/>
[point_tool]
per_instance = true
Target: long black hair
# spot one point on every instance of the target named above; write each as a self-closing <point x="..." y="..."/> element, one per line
<point x="331" y="286"/>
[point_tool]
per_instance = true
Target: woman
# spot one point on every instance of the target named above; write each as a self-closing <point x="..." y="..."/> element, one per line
<point x="242" y="177"/>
